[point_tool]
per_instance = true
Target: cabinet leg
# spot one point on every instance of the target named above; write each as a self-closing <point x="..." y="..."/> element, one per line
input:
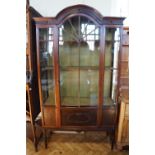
<point x="112" y="139"/>
<point x="112" y="144"/>
<point x="36" y="146"/>
<point x="45" y="138"/>
<point x="34" y="136"/>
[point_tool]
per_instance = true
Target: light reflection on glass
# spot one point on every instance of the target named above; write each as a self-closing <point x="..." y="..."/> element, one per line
<point x="112" y="47"/>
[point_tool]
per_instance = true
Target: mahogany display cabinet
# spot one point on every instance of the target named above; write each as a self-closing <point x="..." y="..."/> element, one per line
<point x="33" y="131"/>
<point x="78" y="54"/>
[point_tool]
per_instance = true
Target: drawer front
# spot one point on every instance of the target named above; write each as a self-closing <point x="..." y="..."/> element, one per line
<point x="78" y="117"/>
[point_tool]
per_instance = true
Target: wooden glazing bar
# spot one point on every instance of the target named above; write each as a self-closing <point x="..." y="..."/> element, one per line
<point x="101" y="76"/>
<point x="39" y="72"/>
<point x="57" y="75"/>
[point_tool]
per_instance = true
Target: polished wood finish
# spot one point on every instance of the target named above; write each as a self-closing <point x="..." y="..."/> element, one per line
<point x="49" y="116"/>
<point x="122" y="139"/>
<point x="32" y="96"/>
<point x="123" y="126"/>
<point x="124" y="62"/>
<point x="78" y="116"/>
<point x="98" y="117"/>
<point x="33" y="131"/>
<point x="109" y="115"/>
<point x="57" y="79"/>
<point x="101" y="76"/>
<point x="31" y="67"/>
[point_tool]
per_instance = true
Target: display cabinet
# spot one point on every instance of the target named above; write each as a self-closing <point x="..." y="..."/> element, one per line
<point x="78" y="55"/>
<point x="31" y="59"/>
<point x="32" y="93"/>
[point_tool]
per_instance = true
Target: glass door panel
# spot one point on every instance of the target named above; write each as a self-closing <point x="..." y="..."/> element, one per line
<point x="47" y="65"/>
<point x="112" y="47"/>
<point x="110" y="86"/>
<point x="79" y="62"/>
<point x="69" y="87"/>
<point x="89" y="87"/>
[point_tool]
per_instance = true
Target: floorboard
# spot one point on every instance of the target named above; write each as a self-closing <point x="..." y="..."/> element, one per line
<point x="84" y="143"/>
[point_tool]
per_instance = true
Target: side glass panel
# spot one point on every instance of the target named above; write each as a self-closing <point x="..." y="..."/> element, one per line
<point x="47" y="65"/>
<point x="79" y="62"/>
<point x="112" y="47"/>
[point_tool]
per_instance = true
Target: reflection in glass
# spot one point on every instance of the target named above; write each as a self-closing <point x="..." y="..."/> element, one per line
<point x="110" y="86"/>
<point x="112" y="45"/>
<point x="79" y="62"/>
<point x="69" y="87"/>
<point x="46" y="65"/>
<point x="89" y="87"/>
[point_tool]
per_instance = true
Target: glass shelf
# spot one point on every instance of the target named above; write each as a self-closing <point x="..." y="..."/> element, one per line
<point x="79" y="67"/>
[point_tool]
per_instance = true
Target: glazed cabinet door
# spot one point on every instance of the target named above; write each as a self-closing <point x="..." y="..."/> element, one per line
<point x="79" y="70"/>
<point x="111" y="65"/>
<point x="111" y="68"/>
<point x="46" y="75"/>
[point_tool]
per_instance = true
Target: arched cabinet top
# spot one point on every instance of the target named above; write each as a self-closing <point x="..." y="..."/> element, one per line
<point x="79" y="10"/>
<point x="82" y="10"/>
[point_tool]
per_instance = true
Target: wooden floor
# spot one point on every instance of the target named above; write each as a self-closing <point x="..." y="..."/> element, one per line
<point x="84" y="143"/>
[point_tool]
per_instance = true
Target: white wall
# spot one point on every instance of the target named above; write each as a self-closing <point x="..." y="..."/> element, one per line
<point x="105" y="7"/>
